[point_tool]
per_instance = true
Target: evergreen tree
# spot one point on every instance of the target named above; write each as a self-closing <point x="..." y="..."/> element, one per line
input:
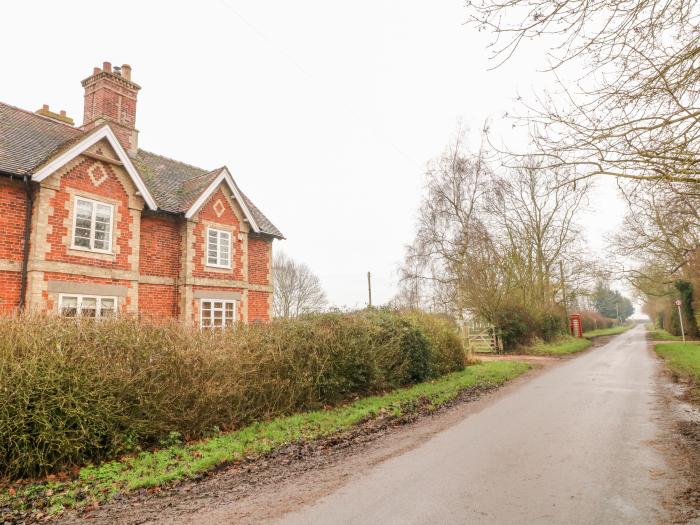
<point x="612" y="303"/>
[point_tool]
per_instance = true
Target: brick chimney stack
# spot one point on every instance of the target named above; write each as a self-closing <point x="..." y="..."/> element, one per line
<point x="110" y="96"/>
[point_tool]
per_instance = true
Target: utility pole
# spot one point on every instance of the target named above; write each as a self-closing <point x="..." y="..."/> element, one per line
<point x="369" y="288"/>
<point x="680" y="317"/>
<point x="563" y="292"/>
<point x="617" y="312"/>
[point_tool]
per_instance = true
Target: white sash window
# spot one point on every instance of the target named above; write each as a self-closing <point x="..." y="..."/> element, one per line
<point x="92" y="225"/>
<point x="216" y="313"/>
<point x="70" y="305"/>
<point x="218" y="248"/>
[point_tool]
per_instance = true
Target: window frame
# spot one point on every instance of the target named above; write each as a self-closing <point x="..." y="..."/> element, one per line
<point x="224" y="303"/>
<point x="78" y="307"/>
<point x="93" y="229"/>
<point x="218" y="264"/>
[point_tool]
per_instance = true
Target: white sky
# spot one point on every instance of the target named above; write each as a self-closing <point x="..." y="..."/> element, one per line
<point x="325" y="112"/>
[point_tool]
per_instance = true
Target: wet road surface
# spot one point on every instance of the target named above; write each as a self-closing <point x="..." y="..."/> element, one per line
<point x="573" y="445"/>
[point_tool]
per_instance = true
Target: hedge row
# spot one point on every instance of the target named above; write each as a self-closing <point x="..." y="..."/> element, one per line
<point x="592" y="320"/>
<point x="82" y="391"/>
<point x="519" y="326"/>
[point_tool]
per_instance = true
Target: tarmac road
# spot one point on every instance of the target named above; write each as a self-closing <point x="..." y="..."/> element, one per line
<point x="571" y="446"/>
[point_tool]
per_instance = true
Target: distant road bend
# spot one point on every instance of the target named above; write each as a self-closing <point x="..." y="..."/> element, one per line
<point x="572" y="445"/>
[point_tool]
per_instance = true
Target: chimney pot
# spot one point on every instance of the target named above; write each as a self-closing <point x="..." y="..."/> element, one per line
<point x="60" y="117"/>
<point x="107" y="67"/>
<point x="96" y="70"/>
<point x="126" y="71"/>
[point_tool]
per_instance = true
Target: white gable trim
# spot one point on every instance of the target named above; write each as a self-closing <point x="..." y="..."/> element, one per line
<point x="223" y="176"/>
<point x="103" y="133"/>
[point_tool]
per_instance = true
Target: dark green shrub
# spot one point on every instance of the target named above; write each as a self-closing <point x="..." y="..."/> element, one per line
<point x="401" y="349"/>
<point x="516" y="325"/>
<point x="549" y="325"/>
<point x="351" y="367"/>
<point x="75" y="391"/>
<point x="444" y="341"/>
<point x="685" y="291"/>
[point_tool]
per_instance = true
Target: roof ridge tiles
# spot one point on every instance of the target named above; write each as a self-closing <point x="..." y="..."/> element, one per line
<point x="174" y="160"/>
<point x="203" y="174"/>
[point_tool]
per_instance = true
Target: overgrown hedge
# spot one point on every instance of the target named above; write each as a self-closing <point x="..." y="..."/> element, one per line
<point x="81" y="391"/>
<point x="593" y="320"/>
<point x="519" y="326"/>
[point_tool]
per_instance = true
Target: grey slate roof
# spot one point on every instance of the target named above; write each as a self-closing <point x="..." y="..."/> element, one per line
<point x="263" y="222"/>
<point x="27" y="140"/>
<point x="165" y="178"/>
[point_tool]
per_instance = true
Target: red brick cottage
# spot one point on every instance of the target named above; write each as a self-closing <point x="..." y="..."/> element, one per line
<point x="91" y="225"/>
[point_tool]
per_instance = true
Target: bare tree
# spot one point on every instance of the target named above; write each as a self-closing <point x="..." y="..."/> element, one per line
<point x="534" y="211"/>
<point x="634" y="111"/>
<point x="296" y="289"/>
<point x="661" y="227"/>
<point x="659" y="239"/>
<point x="449" y="229"/>
<point x="485" y="239"/>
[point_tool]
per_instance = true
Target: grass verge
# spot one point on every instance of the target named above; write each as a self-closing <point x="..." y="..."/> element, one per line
<point x="659" y="334"/>
<point x="94" y="485"/>
<point x="614" y="330"/>
<point x="683" y="359"/>
<point x="566" y="345"/>
<point x="562" y="346"/>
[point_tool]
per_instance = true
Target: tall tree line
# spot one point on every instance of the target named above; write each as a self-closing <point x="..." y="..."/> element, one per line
<point x="487" y="239"/>
<point x="626" y="105"/>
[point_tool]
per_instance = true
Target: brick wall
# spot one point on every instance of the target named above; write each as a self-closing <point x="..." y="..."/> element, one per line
<point x="12" y="211"/>
<point x="259" y="260"/>
<point x="157" y="301"/>
<point x="9" y="291"/>
<point x="160" y="250"/>
<point x="112" y="191"/>
<point x="258" y="306"/>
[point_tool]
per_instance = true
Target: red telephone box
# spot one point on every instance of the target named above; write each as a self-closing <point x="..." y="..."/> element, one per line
<point x="575" y="326"/>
